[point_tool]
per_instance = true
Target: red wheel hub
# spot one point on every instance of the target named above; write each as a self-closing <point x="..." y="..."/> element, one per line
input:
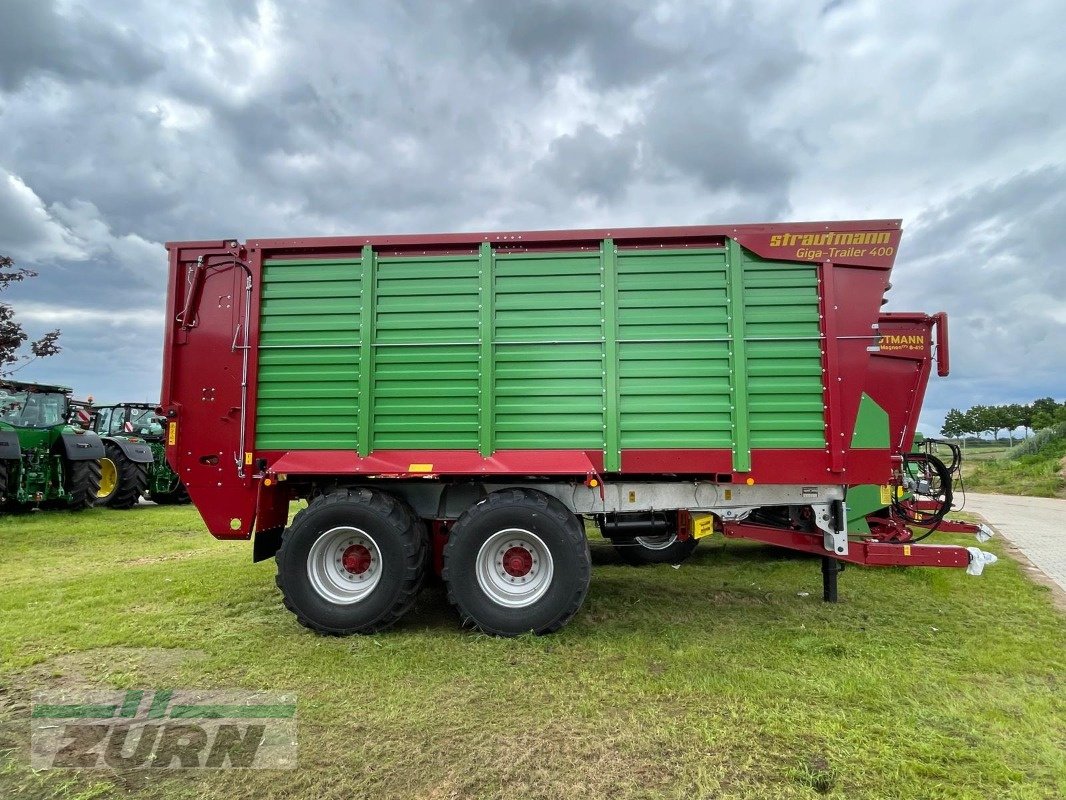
<point x="356" y="559"/>
<point x="517" y="562"/>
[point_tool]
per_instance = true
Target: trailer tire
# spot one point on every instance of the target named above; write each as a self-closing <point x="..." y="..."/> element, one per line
<point x="517" y="562"/>
<point x="126" y="483"/>
<point x="655" y="549"/>
<point x="353" y="561"/>
<point x="82" y="483"/>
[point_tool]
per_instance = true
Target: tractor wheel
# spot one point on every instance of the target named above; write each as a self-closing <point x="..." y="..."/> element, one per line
<point x="517" y="562"/>
<point x="3" y="481"/>
<point x="352" y="562"/>
<point x="178" y="497"/>
<point x="122" y="482"/>
<point x="82" y="484"/>
<point x="663" y="548"/>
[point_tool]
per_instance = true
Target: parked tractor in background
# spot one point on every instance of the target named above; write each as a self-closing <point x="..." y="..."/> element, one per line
<point x="44" y="458"/>
<point x="135" y="463"/>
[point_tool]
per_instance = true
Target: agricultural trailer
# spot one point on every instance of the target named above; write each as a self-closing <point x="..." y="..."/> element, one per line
<point x="46" y="458"/>
<point x="461" y="402"/>
<point x="135" y="462"/>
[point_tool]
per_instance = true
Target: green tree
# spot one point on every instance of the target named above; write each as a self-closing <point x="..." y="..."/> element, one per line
<point x="1047" y="412"/>
<point x="12" y="336"/>
<point x="1026" y="416"/>
<point x="955" y="425"/>
<point x="982" y="419"/>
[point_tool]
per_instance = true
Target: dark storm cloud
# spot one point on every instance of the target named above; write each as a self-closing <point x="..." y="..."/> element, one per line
<point x="718" y="149"/>
<point x="125" y="125"/>
<point x="997" y="226"/>
<point x="833" y="5"/>
<point x="588" y="162"/>
<point x="36" y="38"/>
<point x="603" y="38"/>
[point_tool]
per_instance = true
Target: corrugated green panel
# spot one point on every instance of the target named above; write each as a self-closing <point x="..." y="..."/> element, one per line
<point x="426" y="354"/>
<point x="673" y="370"/>
<point x="520" y="351"/>
<point x="309" y="356"/>
<point x="548" y="354"/>
<point x="783" y="355"/>
<point x="549" y="298"/>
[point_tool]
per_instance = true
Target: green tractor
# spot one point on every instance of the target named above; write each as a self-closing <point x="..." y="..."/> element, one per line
<point x="45" y="458"/>
<point x="135" y="463"/>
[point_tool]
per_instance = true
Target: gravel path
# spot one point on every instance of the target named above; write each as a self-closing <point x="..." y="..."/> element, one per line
<point x="1037" y="525"/>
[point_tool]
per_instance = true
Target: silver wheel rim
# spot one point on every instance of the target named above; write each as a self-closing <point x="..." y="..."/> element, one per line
<point x="498" y="576"/>
<point x="332" y="558"/>
<point x="656" y="542"/>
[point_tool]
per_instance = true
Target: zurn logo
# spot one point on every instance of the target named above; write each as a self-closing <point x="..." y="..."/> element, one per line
<point x="163" y="729"/>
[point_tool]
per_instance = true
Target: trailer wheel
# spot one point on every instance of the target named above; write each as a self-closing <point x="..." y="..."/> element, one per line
<point x="352" y="562"/>
<point x="122" y="481"/>
<point x="517" y="562"/>
<point x="82" y="484"/>
<point x="663" y="548"/>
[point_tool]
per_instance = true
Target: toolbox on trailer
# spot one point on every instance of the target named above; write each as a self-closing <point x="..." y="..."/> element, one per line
<point x="470" y="387"/>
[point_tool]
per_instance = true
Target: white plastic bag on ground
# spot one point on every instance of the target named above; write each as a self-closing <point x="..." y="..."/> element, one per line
<point x="978" y="560"/>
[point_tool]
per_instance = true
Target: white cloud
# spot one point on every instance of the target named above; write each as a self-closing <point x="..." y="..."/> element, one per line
<point x="45" y="314"/>
<point x="27" y="230"/>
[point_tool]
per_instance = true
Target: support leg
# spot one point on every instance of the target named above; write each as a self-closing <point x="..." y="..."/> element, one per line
<point x="830" y="568"/>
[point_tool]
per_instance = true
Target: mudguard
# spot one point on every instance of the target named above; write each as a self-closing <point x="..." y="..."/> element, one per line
<point x="82" y="446"/>
<point x="9" y="445"/>
<point x="137" y="452"/>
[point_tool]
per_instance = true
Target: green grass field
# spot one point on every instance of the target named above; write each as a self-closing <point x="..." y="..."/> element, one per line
<point x="726" y="678"/>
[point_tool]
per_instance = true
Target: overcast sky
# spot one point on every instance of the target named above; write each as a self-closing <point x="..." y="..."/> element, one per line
<point x="126" y="125"/>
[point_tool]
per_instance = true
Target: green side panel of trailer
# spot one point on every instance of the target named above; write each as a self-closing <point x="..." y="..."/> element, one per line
<point x="426" y="344"/>
<point x="609" y="350"/>
<point x="786" y="406"/>
<point x="673" y="349"/>
<point x="309" y="355"/>
<point x="548" y="359"/>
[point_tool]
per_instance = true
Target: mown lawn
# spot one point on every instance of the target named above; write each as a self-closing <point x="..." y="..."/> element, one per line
<point x="726" y="678"/>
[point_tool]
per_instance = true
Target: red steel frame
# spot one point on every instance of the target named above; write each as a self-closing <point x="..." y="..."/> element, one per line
<point x="868" y="553"/>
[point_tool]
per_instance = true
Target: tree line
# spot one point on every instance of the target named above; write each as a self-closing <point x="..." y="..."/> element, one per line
<point x="979" y="420"/>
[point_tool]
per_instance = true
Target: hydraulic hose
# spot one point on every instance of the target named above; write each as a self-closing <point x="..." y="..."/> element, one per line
<point x="938" y="476"/>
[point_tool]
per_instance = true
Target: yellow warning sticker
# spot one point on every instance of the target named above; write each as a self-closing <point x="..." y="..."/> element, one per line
<point x="247" y="459"/>
<point x="906" y="549"/>
<point x="172" y="432"/>
<point x="420" y="468"/>
<point x="702" y="525"/>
